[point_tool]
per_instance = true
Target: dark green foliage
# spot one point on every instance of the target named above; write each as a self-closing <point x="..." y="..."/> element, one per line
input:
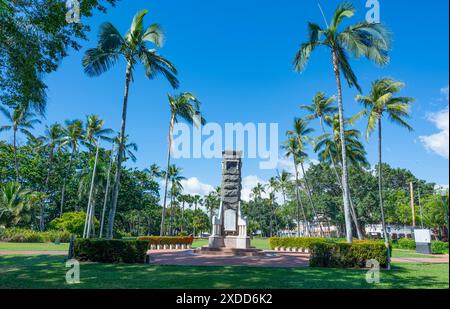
<point x="344" y="255"/>
<point x="110" y="251"/>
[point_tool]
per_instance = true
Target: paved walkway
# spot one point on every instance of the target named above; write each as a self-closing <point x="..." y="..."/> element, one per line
<point x="188" y="258"/>
<point x="9" y="252"/>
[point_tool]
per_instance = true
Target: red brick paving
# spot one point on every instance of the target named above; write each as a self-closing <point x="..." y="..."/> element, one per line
<point x="188" y="258"/>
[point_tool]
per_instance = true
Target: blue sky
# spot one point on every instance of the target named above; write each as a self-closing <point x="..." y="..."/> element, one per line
<point x="236" y="56"/>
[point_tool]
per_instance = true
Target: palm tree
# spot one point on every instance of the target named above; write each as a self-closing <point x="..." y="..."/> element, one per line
<point x="300" y="134"/>
<point x="187" y="107"/>
<point x="21" y="120"/>
<point x="292" y="150"/>
<point x="95" y="131"/>
<point x="73" y="136"/>
<point x="257" y="193"/>
<point x="52" y="138"/>
<point x="196" y="200"/>
<point x="380" y="102"/>
<point x="362" y="39"/>
<point x="13" y="200"/>
<point x="322" y="108"/>
<point x="212" y="202"/>
<point x="274" y="187"/>
<point x="133" y="48"/>
<point x="283" y="182"/>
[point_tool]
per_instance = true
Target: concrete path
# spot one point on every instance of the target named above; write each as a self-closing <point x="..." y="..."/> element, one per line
<point x="9" y="252"/>
<point x="188" y="258"/>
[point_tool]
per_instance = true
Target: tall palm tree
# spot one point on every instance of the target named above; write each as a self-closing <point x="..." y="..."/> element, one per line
<point x="133" y="48"/>
<point x="381" y="101"/>
<point x="301" y="133"/>
<point x="21" y="120"/>
<point x="52" y="138"/>
<point x="95" y="131"/>
<point x="292" y="150"/>
<point x="322" y="108"/>
<point x="196" y="200"/>
<point x="257" y="193"/>
<point x="176" y="188"/>
<point x="182" y="106"/>
<point x="362" y="39"/>
<point x="283" y="182"/>
<point x="212" y="202"/>
<point x="74" y="134"/>
<point x="274" y="187"/>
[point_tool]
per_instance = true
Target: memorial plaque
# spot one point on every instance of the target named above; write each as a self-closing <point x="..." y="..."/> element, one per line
<point x="229" y="220"/>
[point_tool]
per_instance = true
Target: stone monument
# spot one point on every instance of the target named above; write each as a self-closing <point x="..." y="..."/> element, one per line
<point x="229" y="232"/>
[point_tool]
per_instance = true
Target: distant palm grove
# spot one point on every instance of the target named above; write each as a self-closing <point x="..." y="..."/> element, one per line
<point x="76" y="176"/>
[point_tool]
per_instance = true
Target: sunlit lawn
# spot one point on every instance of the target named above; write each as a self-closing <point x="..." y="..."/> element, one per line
<point x="49" y="272"/>
<point x="11" y="246"/>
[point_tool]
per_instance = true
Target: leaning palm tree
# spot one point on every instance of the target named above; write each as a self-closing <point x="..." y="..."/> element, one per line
<point x="182" y="106"/>
<point x="381" y="101"/>
<point x="322" y="108"/>
<point x="133" y="48"/>
<point x="283" y="180"/>
<point x="362" y="39"/>
<point x="52" y="139"/>
<point x="292" y="150"/>
<point x="21" y="120"/>
<point x="73" y="136"/>
<point x="301" y="133"/>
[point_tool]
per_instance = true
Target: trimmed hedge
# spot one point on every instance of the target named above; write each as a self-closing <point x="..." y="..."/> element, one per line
<point x="26" y="235"/>
<point x="344" y="255"/>
<point x="294" y="242"/>
<point x="110" y="251"/>
<point x="167" y="240"/>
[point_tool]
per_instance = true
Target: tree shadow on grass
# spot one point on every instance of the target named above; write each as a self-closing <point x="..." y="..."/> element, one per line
<point x="49" y="272"/>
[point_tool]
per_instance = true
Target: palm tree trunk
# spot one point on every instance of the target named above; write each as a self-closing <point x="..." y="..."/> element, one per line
<point x="115" y="196"/>
<point x="182" y="217"/>
<point x="308" y="189"/>
<point x="380" y="192"/>
<point x="163" y="215"/>
<point x="105" y="201"/>
<point x="16" y="161"/>
<point x="347" y="215"/>
<point x="194" y="221"/>
<point x="47" y="180"/>
<point x="63" y="190"/>
<point x="299" y="203"/>
<point x="352" y="207"/>
<point x="90" y="203"/>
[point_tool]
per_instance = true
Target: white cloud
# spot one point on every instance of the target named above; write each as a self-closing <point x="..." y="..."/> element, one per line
<point x="438" y="142"/>
<point x="194" y="186"/>
<point x="248" y="183"/>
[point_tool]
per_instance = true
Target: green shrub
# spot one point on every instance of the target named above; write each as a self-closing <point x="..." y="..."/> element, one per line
<point x="294" y="242"/>
<point x="167" y="240"/>
<point x="439" y="247"/>
<point x="405" y="243"/>
<point x="344" y="255"/>
<point x="26" y="235"/>
<point x="73" y="222"/>
<point x="110" y="251"/>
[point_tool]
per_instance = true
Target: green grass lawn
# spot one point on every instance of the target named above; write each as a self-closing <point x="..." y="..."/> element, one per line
<point x="404" y="253"/>
<point x="11" y="246"/>
<point x="49" y="272"/>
